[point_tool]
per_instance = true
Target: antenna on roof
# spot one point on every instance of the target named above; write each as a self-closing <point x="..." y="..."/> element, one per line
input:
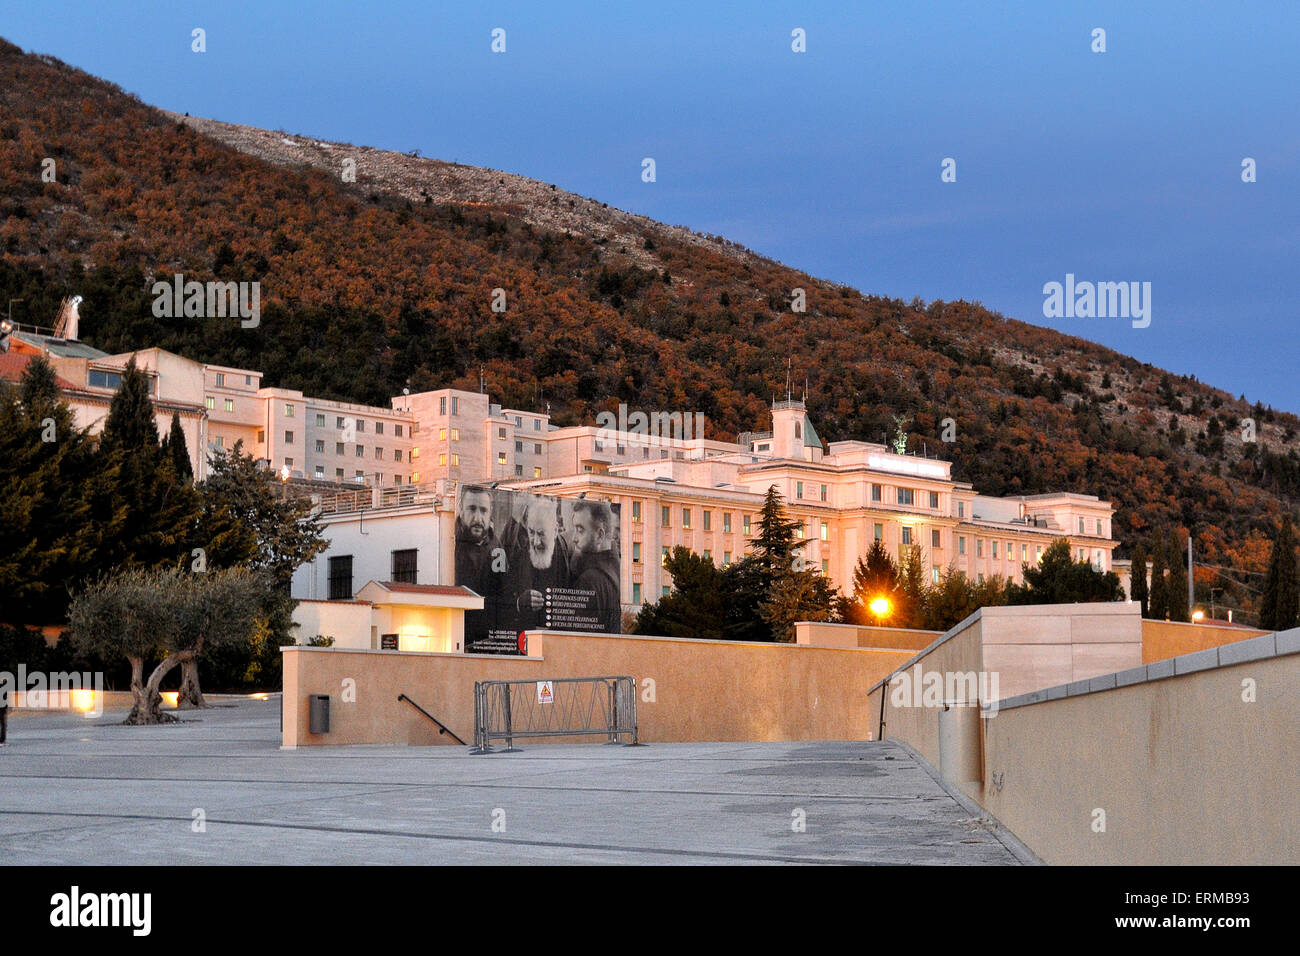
<point x="480" y="379"/>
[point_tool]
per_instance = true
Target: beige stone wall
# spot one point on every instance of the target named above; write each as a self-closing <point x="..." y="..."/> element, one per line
<point x="703" y="690"/>
<point x="818" y="634"/>
<point x="1185" y="770"/>
<point x="1162" y="640"/>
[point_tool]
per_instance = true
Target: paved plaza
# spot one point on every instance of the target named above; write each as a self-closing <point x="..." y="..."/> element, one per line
<point x="91" y="791"/>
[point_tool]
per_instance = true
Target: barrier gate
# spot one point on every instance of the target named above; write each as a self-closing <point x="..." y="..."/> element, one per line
<point x="562" y="707"/>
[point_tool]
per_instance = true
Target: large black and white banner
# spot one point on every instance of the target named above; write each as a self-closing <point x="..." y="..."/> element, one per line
<point x="539" y="562"/>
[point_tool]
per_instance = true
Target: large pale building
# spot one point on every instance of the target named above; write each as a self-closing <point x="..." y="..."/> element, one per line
<point x="403" y="465"/>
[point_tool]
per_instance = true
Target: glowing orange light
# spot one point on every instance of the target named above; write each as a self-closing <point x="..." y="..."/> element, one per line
<point x="879" y="607"/>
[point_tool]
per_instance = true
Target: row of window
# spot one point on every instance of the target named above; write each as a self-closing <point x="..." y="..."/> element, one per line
<point x="665" y="518"/>
<point x="221" y="380"/>
<point x="358" y="475"/>
<point x="906" y="496"/>
<point x="404" y="570"/>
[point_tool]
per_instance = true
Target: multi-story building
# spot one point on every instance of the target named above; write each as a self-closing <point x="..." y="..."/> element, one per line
<point x="706" y="496"/>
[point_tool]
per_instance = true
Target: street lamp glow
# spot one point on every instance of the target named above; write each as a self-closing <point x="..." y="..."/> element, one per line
<point x="1197" y="616"/>
<point x="879" y="607"/>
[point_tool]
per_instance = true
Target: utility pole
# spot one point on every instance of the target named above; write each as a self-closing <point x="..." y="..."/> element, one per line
<point x="1191" y="586"/>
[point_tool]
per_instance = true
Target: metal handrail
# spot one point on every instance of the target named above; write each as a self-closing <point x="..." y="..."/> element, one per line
<point x="442" y="728"/>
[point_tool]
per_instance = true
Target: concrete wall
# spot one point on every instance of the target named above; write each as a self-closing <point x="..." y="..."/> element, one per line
<point x="1185" y="770"/>
<point x="818" y="634"/>
<point x="703" y="690"/>
<point x="1162" y="640"/>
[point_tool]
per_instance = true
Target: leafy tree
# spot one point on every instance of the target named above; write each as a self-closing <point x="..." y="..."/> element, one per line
<point x="1138" y="577"/>
<point x="1279" y="609"/>
<point x="1177" y="583"/>
<point x="1159" y="598"/>
<point x="802" y="595"/>
<point x="696" y="607"/>
<point x="243" y="507"/>
<point x="956" y="597"/>
<point x="220" y="607"/>
<point x="1059" y="579"/>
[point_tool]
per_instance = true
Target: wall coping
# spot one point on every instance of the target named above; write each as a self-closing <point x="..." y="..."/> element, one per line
<point x="1264" y="647"/>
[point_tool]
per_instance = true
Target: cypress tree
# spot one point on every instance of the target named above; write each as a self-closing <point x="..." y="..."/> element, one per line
<point x="1279" y="609"/>
<point x="1138" y="578"/>
<point x="1177" y="591"/>
<point x="1159" y="597"/>
<point x="775" y="545"/>
<point x="178" y="451"/>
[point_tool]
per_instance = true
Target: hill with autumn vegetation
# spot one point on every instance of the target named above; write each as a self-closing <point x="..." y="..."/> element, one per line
<point x="372" y="285"/>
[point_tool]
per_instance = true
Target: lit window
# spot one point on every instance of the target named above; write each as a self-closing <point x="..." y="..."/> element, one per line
<point x="209" y="402"/>
<point x="359" y="477"/>
<point x="826" y="531"/>
<point x="229" y="404"/>
<point x="934" y="574"/>
<point x="686" y="517"/>
<point x="537" y="472"/>
<point x="442" y="459"/>
<point x="501" y="458"/>
<point x="745" y="524"/>
<point x="501" y="434"/>
<point x="636" y="511"/>
<point x="798" y="531"/>
<point x="320" y="472"/>
<point x="455" y="459"/>
<point x="288" y="411"/>
<point x="663" y="555"/>
<point x="455" y="434"/>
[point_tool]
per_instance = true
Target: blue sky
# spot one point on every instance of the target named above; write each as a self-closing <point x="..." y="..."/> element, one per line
<point x="1123" y="165"/>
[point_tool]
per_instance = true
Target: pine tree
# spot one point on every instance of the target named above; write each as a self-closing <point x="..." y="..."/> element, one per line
<point x="874" y="576"/>
<point x="1138" y="578"/>
<point x="1159" y="597"/>
<point x="775" y="546"/>
<point x="1177" y="591"/>
<point x="1279" y="608"/>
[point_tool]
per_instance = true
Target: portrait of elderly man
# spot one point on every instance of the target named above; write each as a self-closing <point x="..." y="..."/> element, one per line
<point x="539" y="559"/>
<point x="595" y="570"/>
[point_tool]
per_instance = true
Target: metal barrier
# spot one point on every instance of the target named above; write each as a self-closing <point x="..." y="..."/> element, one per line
<point x="563" y="707"/>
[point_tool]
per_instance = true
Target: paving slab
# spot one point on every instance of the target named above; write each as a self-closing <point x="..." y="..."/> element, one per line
<point x="218" y="789"/>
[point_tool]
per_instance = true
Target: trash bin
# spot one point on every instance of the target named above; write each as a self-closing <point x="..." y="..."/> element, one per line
<point x="319" y="711"/>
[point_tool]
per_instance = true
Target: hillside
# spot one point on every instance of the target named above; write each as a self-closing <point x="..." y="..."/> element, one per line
<point x="372" y="284"/>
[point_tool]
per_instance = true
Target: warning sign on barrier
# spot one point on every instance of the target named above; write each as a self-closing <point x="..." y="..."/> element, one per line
<point x="545" y="693"/>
